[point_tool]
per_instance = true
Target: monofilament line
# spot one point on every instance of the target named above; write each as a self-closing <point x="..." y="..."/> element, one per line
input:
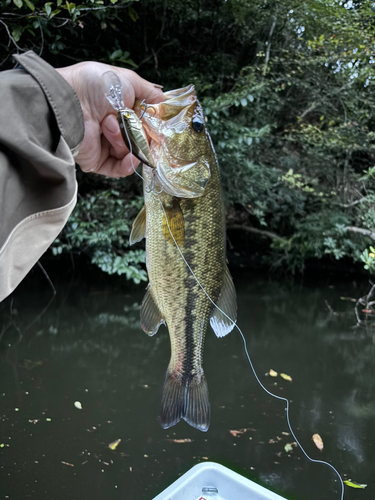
<point x="252" y="366"/>
<point x="244" y="342"/>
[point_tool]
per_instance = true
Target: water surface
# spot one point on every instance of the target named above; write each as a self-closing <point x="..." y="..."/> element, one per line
<point x="88" y="347"/>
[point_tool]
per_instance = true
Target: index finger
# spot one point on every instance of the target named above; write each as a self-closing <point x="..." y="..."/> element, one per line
<point x="135" y="85"/>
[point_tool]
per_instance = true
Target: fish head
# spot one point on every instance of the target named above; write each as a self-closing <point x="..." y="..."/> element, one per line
<point x="180" y="144"/>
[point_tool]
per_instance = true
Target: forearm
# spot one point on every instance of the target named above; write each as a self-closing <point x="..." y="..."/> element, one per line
<point x="41" y="127"/>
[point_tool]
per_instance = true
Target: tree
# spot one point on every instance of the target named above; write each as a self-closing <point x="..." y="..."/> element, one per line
<point x="288" y="90"/>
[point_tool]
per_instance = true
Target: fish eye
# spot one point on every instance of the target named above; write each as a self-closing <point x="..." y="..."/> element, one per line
<point x="197" y="125"/>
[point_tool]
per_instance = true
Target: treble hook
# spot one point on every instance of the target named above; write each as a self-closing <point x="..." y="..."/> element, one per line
<point x="152" y="185"/>
<point x="146" y="107"/>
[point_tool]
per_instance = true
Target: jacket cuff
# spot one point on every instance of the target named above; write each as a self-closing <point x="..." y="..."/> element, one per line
<point x="60" y="95"/>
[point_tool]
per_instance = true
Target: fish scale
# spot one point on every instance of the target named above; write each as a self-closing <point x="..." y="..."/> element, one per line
<point x="174" y="296"/>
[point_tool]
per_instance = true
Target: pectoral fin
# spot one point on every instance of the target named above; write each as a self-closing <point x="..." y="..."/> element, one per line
<point x="227" y="302"/>
<point x="151" y="317"/>
<point x="138" y="231"/>
<point x="175" y="225"/>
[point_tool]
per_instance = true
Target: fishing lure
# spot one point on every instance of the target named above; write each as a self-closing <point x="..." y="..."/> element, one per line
<point x="132" y="131"/>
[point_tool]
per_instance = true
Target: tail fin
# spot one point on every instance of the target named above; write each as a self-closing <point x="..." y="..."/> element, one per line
<point x="189" y="402"/>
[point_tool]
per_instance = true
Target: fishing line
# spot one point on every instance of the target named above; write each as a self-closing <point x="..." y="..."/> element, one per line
<point x="287" y="407"/>
<point x="252" y="366"/>
<point x="152" y="184"/>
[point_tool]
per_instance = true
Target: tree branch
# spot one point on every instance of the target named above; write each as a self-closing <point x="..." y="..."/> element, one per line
<point x="250" y="229"/>
<point x="348" y="205"/>
<point x="360" y="230"/>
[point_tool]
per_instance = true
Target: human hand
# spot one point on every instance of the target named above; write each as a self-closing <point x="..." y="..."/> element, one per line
<point x="102" y="150"/>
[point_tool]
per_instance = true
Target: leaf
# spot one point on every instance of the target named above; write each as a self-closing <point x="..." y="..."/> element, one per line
<point x="238" y="432"/>
<point x="318" y="441"/>
<point x="272" y="373"/>
<point x="30" y="5"/>
<point x="286" y="377"/>
<point x="47" y="8"/>
<point x="289" y="446"/>
<point x="133" y="14"/>
<point x="353" y="484"/>
<point x="78" y="405"/>
<point x="116" y="54"/>
<point x="180" y="441"/>
<point x="18" y="3"/>
<point x="114" y="444"/>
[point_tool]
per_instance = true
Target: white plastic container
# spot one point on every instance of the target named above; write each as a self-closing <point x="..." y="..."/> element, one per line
<point x="211" y="481"/>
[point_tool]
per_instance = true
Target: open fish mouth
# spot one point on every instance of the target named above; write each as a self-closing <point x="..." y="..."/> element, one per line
<point x="179" y="151"/>
<point x="183" y="96"/>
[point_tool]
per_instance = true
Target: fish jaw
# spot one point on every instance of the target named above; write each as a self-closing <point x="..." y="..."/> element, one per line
<point x="181" y="154"/>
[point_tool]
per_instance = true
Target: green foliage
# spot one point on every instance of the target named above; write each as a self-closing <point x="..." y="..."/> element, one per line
<point x="368" y="257"/>
<point x="289" y="93"/>
<point x="99" y="227"/>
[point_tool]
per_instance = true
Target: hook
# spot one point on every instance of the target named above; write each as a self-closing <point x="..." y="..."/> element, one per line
<point x="146" y="107"/>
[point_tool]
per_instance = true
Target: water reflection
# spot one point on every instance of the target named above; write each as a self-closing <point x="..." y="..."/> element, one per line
<point x="88" y="347"/>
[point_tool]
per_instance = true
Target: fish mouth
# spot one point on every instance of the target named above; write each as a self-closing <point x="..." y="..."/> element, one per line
<point x="180" y="96"/>
<point x="181" y="169"/>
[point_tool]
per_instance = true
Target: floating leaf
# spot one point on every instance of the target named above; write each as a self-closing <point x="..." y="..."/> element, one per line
<point x="272" y="373"/>
<point x="78" y="405"/>
<point x="27" y="363"/>
<point x="179" y="441"/>
<point x="318" y="441"/>
<point x="353" y="484"/>
<point x="289" y="446"/>
<point x="114" y="445"/>
<point x="238" y="432"/>
<point x="286" y="377"/>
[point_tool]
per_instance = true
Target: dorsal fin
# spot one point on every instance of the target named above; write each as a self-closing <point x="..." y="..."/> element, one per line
<point x="151" y="317"/>
<point x="138" y="231"/>
<point x="227" y="302"/>
<point x="176" y="223"/>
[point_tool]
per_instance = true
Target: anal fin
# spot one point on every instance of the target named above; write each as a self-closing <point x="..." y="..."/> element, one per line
<point x="227" y="302"/>
<point x="151" y="317"/>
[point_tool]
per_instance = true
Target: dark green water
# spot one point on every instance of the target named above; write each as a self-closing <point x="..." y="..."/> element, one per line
<point x="88" y="347"/>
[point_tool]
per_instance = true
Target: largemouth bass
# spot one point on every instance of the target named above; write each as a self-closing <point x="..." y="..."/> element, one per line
<point x="184" y="209"/>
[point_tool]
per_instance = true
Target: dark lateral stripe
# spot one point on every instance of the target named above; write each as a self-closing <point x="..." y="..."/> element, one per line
<point x="189" y="320"/>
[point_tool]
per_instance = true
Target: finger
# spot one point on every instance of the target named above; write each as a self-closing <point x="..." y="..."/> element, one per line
<point x="118" y="168"/>
<point x="141" y="88"/>
<point x="111" y="131"/>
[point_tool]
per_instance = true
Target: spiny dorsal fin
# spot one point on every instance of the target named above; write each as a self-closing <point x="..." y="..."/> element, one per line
<point x="227" y="302"/>
<point x="139" y="227"/>
<point x="151" y="317"/>
<point x="176" y="223"/>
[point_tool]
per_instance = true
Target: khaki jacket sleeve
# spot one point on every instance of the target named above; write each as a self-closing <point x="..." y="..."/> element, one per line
<point x="41" y="127"/>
